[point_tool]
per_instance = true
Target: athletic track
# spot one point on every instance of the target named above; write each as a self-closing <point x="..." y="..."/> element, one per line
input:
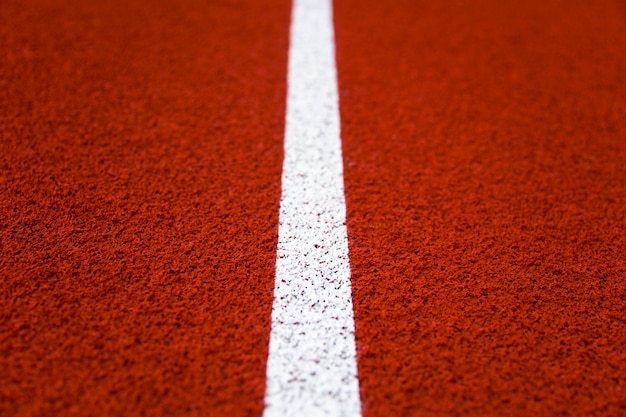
<point x="484" y="167"/>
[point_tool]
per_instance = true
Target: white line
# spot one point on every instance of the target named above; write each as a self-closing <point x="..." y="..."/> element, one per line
<point x="311" y="368"/>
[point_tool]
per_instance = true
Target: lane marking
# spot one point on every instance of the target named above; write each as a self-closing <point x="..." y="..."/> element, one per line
<point x="311" y="367"/>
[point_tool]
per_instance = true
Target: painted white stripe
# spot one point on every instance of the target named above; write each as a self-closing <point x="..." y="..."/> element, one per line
<point x="311" y="368"/>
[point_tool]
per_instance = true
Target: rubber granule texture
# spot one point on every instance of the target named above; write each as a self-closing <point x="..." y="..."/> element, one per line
<point x="140" y="162"/>
<point x="485" y="169"/>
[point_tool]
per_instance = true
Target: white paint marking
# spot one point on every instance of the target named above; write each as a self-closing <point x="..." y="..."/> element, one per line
<point x="311" y="368"/>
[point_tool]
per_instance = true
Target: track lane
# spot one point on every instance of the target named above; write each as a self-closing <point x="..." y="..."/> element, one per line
<point x="485" y="154"/>
<point x="140" y="162"/>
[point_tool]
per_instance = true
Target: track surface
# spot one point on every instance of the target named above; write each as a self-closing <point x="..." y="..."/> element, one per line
<point x="141" y="156"/>
<point x="485" y="168"/>
<point x="485" y="172"/>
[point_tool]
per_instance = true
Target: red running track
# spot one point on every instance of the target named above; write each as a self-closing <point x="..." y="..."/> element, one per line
<point x="140" y="162"/>
<point x="485" y="170"/>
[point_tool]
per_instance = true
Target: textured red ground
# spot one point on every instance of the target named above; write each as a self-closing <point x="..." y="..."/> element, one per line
<point x="140" y="161"/>
<point x="485" y="152"/>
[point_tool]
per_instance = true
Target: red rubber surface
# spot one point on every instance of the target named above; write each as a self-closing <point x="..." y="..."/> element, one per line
<point x="140" y="163"/>
<point x="485" y="169"/>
